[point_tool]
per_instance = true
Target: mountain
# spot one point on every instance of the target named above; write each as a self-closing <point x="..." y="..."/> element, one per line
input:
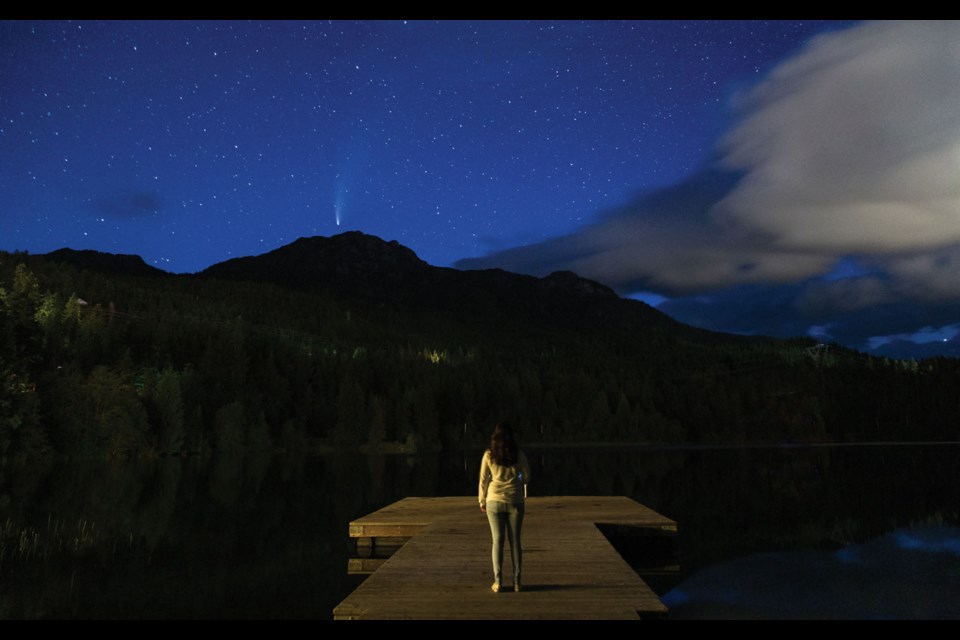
<point x="106" y="262"/>
<point x="352" y="339"/>
<point x="365" y="270"/>
<point x="351" y="263"/>
<point x="369" y="270"/>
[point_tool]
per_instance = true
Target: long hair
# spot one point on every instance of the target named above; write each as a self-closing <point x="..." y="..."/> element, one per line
<point x="503" y="446"/>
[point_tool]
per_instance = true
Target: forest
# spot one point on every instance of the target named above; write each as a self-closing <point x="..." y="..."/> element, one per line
<point x="103" y="361"/>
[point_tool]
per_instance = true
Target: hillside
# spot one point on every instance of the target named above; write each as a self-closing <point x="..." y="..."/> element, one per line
<point x="366" y="270"/>
<point x="352" y="340"/>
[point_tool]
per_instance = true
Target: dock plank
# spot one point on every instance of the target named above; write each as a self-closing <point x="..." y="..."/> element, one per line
<point x="443" y="571"/>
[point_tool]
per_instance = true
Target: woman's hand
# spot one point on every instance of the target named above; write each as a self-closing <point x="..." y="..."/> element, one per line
<point x="483" y="508"/>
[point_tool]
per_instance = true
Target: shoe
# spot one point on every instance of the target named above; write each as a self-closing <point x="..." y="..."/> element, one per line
<point x="495" y="587"/>
<point x="517" y="587"/>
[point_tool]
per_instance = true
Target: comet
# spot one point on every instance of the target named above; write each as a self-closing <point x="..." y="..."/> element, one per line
<point x="338" y="206"/>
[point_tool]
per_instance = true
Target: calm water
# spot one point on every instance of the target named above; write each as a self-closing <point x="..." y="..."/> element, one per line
<point x="846" y="532"/>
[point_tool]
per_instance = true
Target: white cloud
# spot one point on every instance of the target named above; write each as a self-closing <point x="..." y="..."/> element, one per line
<point x="853" y="145"/>
<point x="850" y="147"/>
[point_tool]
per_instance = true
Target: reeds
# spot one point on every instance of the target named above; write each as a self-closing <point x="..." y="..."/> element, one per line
<point x="30" y="543"/>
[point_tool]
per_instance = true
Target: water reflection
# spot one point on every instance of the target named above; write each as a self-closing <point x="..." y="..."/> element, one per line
<point x="908" y="574"/>
<point x="266" y="536"/>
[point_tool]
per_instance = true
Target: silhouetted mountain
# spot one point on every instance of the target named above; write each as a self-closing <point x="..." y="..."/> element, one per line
<point x="111" y="263"/>
<point x="352" y="263"/>
<point x="364" y="268"/>
<point x="351" y="339"/>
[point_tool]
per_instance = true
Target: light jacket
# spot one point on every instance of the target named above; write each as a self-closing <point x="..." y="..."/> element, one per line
<point x="503" y="483"/>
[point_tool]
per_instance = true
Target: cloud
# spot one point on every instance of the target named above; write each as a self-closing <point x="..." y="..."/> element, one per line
<point x="850" y="311"/>
<point x="854" y="144"/>
<point x="922" y="278"/>
<point x="849" y="148"/>
<point x="128" y="204"/>
<point x="664" y="242"/>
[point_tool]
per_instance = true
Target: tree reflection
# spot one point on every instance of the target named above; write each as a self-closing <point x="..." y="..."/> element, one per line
<point x="234" y="536"/>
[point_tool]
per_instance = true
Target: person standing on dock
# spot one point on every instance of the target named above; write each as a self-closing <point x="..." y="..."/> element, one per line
<point x="504" y="474"/>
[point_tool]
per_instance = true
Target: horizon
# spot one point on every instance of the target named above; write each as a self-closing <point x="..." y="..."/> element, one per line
<point x="782" y="178"/>
<point x="907" y="354"/>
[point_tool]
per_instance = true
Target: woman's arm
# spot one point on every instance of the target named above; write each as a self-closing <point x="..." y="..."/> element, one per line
<point x="485" y="477"/>
<point x="523" y="466"/>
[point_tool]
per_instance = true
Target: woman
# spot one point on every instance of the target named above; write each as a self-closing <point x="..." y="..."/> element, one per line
<point x="504" y="474"/>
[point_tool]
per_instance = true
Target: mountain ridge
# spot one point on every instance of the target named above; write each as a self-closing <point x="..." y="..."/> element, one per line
<point x="129" y="264"/>
<point x="377" y="346"/>
<point x="371" y="271"/>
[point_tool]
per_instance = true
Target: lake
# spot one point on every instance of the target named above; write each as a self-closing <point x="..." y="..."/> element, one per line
<point x="868" y="531"/>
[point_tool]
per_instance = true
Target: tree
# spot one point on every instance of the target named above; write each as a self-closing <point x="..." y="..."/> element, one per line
<point x="623" y="420"/>
<point x="229" y="425"/>
<point x="599" y="419"/>
<point x="378" y="422"/>
<point x="168" y="399"/>
<point x="351" y="409"/>
<point x="120" y="420"/>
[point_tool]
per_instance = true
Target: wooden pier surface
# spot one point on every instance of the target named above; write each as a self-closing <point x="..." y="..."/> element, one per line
<point x="443" y="571"/>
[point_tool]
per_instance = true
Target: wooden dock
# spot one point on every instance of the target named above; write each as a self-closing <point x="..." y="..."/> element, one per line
<point x="442" y="570"/>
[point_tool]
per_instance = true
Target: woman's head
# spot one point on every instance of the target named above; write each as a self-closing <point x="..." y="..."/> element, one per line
<point x="503" y="446"/>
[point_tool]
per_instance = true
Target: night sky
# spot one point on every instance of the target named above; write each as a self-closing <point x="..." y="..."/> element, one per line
<point x="780" y="178"/>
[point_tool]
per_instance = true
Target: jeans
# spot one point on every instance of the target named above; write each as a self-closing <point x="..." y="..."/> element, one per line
<point x="505" y="518"/>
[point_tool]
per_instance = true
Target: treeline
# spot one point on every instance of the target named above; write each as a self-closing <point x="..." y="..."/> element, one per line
<point x="98" y="364"/>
